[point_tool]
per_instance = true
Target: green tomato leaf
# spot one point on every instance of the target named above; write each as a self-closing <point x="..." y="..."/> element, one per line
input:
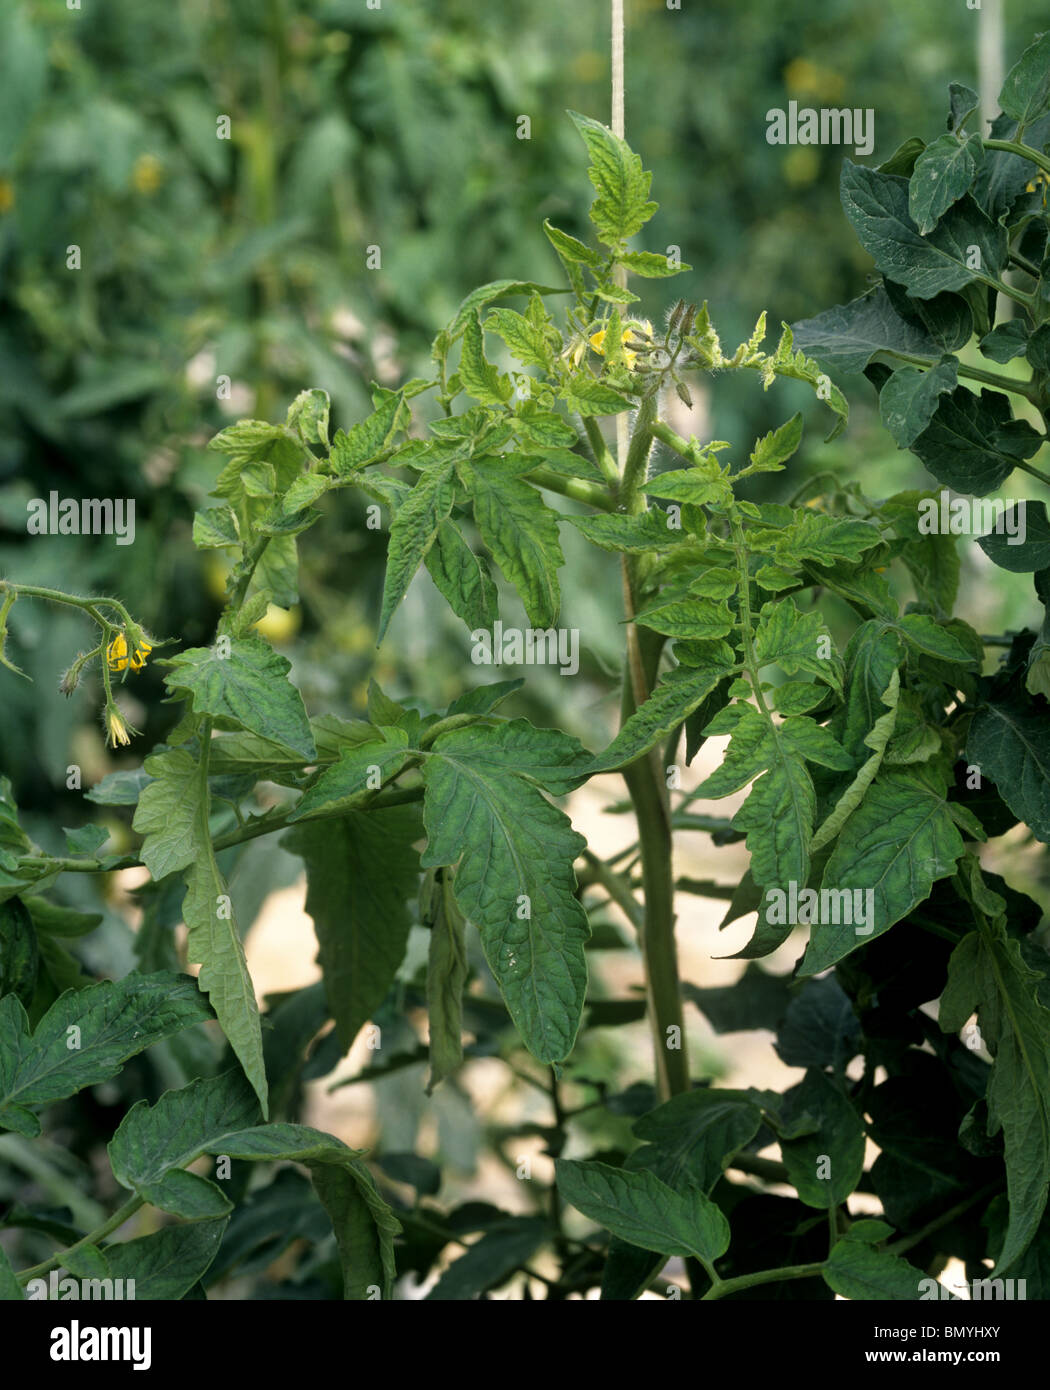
<point x="943" y="173"/>
<point x="248" y="685"/>
<point x="644" y="1211"/>
<point x="85" y="1037"/>
<point x="877" y="206"/>
<point x="361" y="872"/>
<point x="900" y="840"/>
<point x="621" y="207"/>
<point x="515" y="879"/>
<point x="858" y="1271"/>
<point x="522" y="533"/>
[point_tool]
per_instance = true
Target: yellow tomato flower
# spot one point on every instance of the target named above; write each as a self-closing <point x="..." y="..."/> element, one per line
<point x="597" y="340"/>
<point x="116" y="730"/>
<point x="117" y="654"/>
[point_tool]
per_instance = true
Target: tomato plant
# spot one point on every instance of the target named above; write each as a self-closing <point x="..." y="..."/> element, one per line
<point x="874" y="774"/>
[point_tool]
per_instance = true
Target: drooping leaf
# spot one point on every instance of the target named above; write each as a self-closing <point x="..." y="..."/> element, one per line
<point x="515" y="879"/>
<point x="413" y="532"/>
<point x="364" y="1224"/>
<point x="522" y="533"/>
<point x="988" y="974"/>
<point x="214" y="944"/>
<point x="447" y="970"/>
<point x="361" y="872"/>
<point x="462" y="578"/>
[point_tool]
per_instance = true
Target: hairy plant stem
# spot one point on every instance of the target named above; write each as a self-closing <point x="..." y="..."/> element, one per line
<point x="997" y="379"/>
<point x="579" y="489"/>
<point x="57" y="1261"/>
<point x="722" y="1287"/>
<point x="1025" y="151"/>
<point x="648" y="792"/>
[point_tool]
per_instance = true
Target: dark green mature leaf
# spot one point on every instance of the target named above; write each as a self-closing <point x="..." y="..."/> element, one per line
<point x="856" y="1270"/>
<point x="522" y="533"/>
<point x="847" y="338"/>
<point x="1009" y="740"/>
<point x="691" y="1138"/>
<point x="972" y="444"/>
<point x="490" y="1261"/>
<point x="988" y="974"/>
<point x="364" y="1224"/>
<point x="447" y="970"/>
<point x="515" y="880"/>
<point x="757" y="1000"/>
<point x="10" y="1289"/>
<point x="1025" y="95"/>
<point x="820" y="1028"/>
<point x="413" y="532"/>
<point x="188" y="1196"/>
<point x="152" y="1140"/>
<point x="361" y="872"/>
<point x="1007" y="341"/>
<point x="621" y="207"/>
<point x="167" y="1264"/>
<point x="644" y="1211"/>
<point x="943" y="173"/>
<point x="909" y="399"/>
<point x="19" y="955"/>
<point x="825" y="1165"/>
<point x="877" y="206"/>
<point x="674" y="699"/>
<point x="214" y="943"/>
<point x="1005" y="546"/>
<point x="462" y="578"/>
<point x="897" y="844"/>
<point x="249" y="685"/>
<point x="85" y="1037"/>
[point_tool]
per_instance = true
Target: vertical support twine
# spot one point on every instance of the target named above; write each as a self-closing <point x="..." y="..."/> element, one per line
<point x="618" y="125"/>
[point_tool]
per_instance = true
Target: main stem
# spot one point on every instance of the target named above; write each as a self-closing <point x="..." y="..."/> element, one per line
<point x="647" y="788"/>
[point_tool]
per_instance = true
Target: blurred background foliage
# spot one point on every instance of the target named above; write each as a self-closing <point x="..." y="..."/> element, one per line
<point x="245" y="258"/>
